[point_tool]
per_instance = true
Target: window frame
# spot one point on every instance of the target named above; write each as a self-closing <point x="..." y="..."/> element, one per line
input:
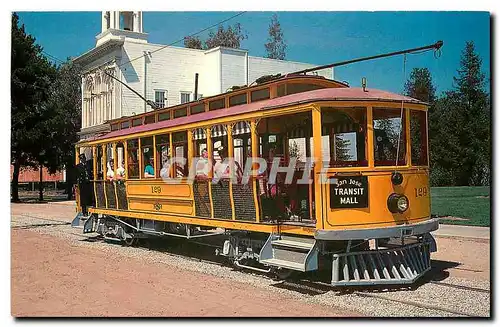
<point x="181" y="93"/>
<point x="404" y="160"/>
<point x="165" y="97"/>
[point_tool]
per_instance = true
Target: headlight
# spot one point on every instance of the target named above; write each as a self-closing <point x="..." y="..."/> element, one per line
<point x="402" y="203"/>
<point x="397" y="203"/>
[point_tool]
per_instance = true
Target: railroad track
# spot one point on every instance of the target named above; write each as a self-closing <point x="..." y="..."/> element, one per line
<point x="462" y="287"/>
<point x="318" y="288"/>
<point x="51" y="222"/>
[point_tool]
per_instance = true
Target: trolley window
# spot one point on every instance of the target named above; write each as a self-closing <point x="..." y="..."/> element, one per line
<point x="238" y="99"/>
<point x="100" y="165"/>
<point x="133" y="159"/>
<point x="217" y="104"/>
<point x="387" y="126"/>
<point x="137" y="122"/>
<point x="164" y="116"/>
<point x="120" y="160"/>
<point x="292" y="88"/>
<point x="125" y="124"/>
<point x="163" y="155"/>
<point x="149" y="119"/>
<point x="418" y="137"/>
<point x="115" y="127"/>
<point x="180" y="145"/>
<point x="343" y="137"/>
<point x="260" y="95"/>
<point x="198" y="109"/>
<point x="180" y="112"/>
<point x="147" y="168"/>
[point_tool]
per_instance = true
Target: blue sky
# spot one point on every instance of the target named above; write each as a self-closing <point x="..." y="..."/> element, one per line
<point x="315" y="37"/>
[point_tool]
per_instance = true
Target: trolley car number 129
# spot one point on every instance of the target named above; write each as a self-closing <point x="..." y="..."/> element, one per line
<point x="421" y="191"/>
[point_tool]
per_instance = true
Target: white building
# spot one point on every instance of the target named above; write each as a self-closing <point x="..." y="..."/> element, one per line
<point x="164" y="74"/>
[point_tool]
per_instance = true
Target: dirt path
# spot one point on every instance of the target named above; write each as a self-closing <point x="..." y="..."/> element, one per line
<point x="57" y="271"/>
<point x="53" y="277"/>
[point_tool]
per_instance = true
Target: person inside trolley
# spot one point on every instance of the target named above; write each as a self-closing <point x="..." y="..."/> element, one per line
<point x="202" y="165"/>
<point x="110" y="174"/>
<point x="120" y="172"/>
<point x="149" y="171"/>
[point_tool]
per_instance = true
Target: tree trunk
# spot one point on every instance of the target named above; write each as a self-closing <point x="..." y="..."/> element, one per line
<point x="15" y="181"/>
<point x="40" y="185"/>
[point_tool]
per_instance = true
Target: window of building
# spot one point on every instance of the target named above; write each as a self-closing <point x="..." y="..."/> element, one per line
<point x="418" y="137"/>
<point x="137" y="122"/>
<point x="185" y="97"/>
<point x="217" y="104"/>
<point x="387" y="125"/>
<point x="180" y="112"/>
<point x="149" y="119"/>
<point x="160" y="98"/>
<point x="198" y="109"/>
<point x="238" y="99"/>
<point x="343" y="137"/>
<point x="125" y="124"/>
<point x="164" y="116"/>
<point x="260" y="95"/>
<point x="133" y="159"/>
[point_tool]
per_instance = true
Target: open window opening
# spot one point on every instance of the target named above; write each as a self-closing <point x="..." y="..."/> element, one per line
<point x="343" y="137"/>
<point x="287" y="139"/>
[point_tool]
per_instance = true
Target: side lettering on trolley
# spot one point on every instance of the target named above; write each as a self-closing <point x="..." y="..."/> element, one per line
<point x="157" y="206"/>
<point x="349" y="192"/>
<point x="156" y="189"/>
<point x="420" y="191"/>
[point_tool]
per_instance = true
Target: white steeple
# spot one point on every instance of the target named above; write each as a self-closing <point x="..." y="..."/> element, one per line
<point x="121" y="24"/>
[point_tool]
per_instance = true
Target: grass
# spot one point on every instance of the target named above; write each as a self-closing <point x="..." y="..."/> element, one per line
<point x="469" y="202"/>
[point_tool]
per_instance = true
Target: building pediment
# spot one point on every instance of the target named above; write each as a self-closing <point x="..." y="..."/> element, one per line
<point x="99" y="51"/>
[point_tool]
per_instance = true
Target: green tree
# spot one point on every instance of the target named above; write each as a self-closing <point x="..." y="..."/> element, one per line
<point x="65" y="104"/>
<point x="461" y="125"/>
<point x="420" y="86"/>
<point x="275" y="46"/>
<point x="294" y="150"/>
<point x="341" y="149"/>
<point x="193" y="42"/>
<point x="31" y="76"/>
<point x="230" y="37"/>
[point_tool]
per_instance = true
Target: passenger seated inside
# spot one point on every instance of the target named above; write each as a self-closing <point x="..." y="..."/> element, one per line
<point x="149" y="171"/>
<point x="165" y="169"/>
<point x="202" y="166"/>
<point x="120" y="172"/>
<point x="110" y="174"/>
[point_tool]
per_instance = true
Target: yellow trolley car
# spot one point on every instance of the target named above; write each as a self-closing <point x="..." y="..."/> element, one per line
<point x="320" y="176"/>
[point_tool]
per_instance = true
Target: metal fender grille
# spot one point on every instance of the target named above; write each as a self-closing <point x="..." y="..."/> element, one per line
<point x="402" y="265"/>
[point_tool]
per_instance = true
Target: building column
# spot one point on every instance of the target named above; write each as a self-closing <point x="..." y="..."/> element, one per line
<point x="104" y="25"/>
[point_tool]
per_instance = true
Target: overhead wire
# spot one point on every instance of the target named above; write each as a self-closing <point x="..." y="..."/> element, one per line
<point x="180" y="40"/>
<point x="52" y="57"/>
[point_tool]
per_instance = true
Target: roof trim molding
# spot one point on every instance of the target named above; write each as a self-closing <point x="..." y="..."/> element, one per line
<point x="100" y="50"/>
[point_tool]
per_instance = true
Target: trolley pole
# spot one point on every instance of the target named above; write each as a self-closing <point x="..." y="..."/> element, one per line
<point x="436" y="46"/>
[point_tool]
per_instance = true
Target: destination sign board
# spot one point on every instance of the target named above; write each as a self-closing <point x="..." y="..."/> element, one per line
<point x="349" y="192"/>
